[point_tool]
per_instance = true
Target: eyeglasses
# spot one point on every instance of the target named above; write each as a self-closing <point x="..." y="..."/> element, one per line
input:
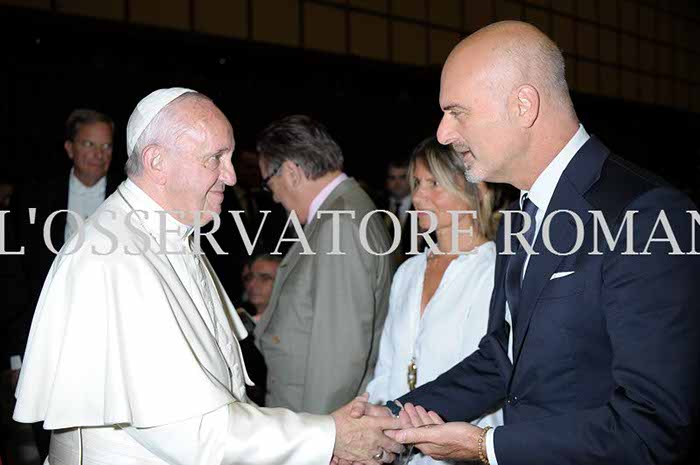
<point x="90" y="145"/>
<point x="266" y="180"/>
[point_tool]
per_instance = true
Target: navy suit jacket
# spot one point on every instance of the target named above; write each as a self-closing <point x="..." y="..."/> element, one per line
<point x="606" y="359"/>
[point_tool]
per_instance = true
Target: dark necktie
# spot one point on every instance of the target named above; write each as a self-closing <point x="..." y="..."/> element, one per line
<point x="514" y="270"/>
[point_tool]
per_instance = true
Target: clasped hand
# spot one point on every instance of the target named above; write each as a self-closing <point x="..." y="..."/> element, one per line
<point x="360" y="438"/>
<point x="426" y="430"/>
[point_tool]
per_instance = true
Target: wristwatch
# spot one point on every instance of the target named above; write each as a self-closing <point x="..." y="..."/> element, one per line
<point x="393" y="407"/>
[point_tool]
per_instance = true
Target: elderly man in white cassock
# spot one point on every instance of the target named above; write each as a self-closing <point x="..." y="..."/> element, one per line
<point x="131" y="357"/>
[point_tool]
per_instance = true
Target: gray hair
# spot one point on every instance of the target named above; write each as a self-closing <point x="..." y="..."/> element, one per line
<point x="82" y="116"/>
<point x="164" y="130"/>
<point x="302" y="140"/>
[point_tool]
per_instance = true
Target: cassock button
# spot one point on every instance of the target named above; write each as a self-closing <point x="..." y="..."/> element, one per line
<point x="275" y="339"/>
<point x="512" y="400"/>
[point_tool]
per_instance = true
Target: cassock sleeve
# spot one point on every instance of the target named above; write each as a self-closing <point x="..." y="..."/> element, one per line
<point x="242" y="434"/>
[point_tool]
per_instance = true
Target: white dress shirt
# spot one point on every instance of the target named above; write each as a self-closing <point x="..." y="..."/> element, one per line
<point x="82" y="200"/>
<point x="453" y="323"/>
<point x="540" y="194"/>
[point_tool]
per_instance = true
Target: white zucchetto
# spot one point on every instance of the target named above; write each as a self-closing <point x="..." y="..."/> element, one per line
<point x="146" y="110"/>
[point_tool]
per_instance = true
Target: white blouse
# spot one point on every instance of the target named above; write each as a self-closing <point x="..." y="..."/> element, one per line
<point x="453" y="323"/>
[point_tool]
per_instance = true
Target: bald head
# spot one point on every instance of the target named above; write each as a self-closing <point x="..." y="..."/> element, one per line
<point x="506" y="104"/>
<point x="511" y="53"/>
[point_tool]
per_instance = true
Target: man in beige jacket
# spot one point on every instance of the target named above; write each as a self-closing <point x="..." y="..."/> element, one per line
<point x="320" y="333"/>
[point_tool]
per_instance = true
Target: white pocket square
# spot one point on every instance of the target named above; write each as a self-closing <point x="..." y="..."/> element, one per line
<point x="561" y="274"/>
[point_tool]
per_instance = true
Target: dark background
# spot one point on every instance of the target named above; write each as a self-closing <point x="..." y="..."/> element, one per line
<point x="51" y="64"/>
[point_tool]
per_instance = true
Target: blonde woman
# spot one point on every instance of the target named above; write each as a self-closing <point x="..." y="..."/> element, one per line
<point x="439" y="303"/>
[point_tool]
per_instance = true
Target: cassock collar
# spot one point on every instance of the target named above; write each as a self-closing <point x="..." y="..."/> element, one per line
<point x="155" y="220"/>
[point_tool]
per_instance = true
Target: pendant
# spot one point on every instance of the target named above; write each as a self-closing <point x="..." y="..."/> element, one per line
<point x="412" y="374"/>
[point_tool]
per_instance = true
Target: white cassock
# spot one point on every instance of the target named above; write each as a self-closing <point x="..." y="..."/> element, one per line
<point x="132" y="359"/>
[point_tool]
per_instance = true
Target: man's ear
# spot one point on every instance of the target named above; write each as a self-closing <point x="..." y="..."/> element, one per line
<point x="296" y="175"/>
<point x="528" y="105"/>
<point x="153" y="157"/>
<point x="68" y="145"/>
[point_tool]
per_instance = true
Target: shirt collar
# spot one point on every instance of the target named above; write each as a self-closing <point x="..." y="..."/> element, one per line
<point x="76" y="186"/>
<point x="543" y="188"/>
<point x="323" y="195"/>
<point x="154" y="222"/>
<point x="403" y="203"/>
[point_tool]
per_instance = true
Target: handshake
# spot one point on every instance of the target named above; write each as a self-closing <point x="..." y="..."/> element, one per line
<point x="370" y="434"/>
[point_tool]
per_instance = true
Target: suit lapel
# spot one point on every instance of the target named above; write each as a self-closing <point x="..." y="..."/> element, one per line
<point x="60" y="202"/>
<point x="562" y="234"/>
<point x="581" y="173"/>
<point x="498" y="300"/>
<point x="294" y="255"/>
<point x="283" y="272"/>
<point x="113" y="182"/>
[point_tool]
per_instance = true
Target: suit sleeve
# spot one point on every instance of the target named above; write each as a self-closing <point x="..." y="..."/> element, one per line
<point x="242" y="434"/>
<point x="466" y="391"/>
<point x="344" y="312"/>
<point x="650" y="303"/>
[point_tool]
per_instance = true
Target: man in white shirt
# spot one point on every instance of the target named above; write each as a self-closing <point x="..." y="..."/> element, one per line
<point x="398" y="202"/>
<point x="398" y="189"/>
<point x="88" y="144"/>
<point x="133" y="355"/>
<point x="591" y="343"/>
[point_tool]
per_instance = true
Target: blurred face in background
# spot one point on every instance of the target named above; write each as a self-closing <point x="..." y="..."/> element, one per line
<point x="91" y="152"/>
<point x="6" y="191"/>
<point x="397" y="182"/>
<point x="258" y="283"/>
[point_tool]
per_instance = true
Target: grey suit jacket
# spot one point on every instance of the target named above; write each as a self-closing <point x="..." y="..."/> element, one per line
<point x="320" y="333"/>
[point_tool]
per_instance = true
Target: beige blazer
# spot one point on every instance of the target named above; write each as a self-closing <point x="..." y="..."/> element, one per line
<point x="320" y="333"/>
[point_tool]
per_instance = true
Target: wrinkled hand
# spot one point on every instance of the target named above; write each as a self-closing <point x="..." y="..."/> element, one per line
<point x="360" y="409"/>
<point x="361" y="439"/>
<point x="442" y="441"/>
